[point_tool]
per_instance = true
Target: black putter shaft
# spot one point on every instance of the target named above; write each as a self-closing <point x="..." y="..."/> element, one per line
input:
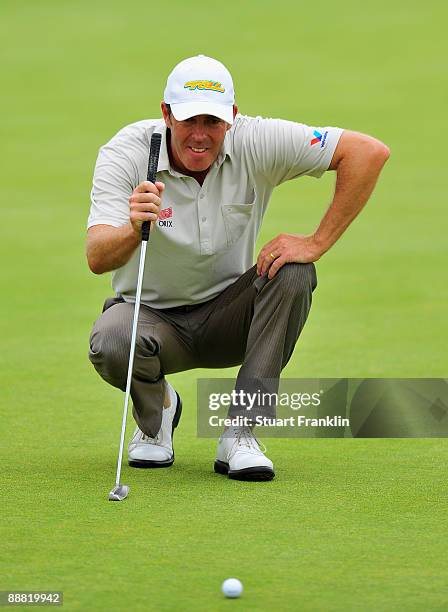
<point x="156" y="140"/>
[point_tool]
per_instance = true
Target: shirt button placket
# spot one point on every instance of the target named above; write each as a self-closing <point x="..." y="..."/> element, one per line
<point x="204" y="226"/>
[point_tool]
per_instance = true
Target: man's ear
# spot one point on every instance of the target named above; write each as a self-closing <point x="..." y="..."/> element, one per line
<point x="166" y="114"/>
<point x="235" y="111"/>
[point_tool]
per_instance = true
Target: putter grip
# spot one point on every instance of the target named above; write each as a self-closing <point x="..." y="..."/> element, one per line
<point x="154" y="151"/>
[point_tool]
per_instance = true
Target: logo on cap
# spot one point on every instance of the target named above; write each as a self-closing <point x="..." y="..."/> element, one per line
<point x="210" y="85"/>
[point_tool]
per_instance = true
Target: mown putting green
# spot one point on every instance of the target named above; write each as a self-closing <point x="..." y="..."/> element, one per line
<point x="347" y="524"/>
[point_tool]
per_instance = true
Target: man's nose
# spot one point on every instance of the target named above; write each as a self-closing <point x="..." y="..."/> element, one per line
<point x="199" y="132"/>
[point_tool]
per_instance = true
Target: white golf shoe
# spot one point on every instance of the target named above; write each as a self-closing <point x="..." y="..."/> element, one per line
<point x="239" y="455"/>
<point x="146" y="452"/>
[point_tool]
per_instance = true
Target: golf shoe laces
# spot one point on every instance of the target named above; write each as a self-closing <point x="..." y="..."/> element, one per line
<point x="245" y="437"/>
<point x="150" y="440"/>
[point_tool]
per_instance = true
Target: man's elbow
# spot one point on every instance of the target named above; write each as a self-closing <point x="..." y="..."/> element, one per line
<point x="378" y="153"/>
<point x="94" y="264"/>
<point x="355" y="148"/>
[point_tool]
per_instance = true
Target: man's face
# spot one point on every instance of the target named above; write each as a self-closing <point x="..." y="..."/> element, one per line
<point x="195" y="142"/>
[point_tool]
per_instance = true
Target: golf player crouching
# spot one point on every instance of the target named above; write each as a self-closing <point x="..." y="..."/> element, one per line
<point x="203" y="303"/>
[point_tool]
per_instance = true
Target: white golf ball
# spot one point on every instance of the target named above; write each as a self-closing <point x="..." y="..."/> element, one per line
<point x="232" y="587"/>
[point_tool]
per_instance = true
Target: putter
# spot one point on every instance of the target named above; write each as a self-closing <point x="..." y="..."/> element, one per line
<point x="120" y="491"/>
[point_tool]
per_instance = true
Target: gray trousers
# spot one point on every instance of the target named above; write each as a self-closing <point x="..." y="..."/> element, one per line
<point x="255" y="322"/>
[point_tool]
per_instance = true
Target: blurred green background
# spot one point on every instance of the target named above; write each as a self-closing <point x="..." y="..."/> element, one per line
<point x="347" y="525"/>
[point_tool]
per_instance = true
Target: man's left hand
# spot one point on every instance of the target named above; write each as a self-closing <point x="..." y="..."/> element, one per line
<point x="287" y="248"/>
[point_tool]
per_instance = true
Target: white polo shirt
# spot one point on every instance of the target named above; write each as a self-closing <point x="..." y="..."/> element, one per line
<point x="205" y="236"/>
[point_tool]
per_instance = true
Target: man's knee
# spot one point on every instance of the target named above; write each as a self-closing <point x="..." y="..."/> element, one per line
<point x="297" y="278"/>
<point x="110" y="344"/>
<point x="109" y="348"/>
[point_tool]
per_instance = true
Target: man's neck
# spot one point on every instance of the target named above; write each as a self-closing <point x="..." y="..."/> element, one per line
<point x="199" y="176"/>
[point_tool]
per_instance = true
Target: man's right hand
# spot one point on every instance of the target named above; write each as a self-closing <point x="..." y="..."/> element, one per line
<point x="144" y="204"/>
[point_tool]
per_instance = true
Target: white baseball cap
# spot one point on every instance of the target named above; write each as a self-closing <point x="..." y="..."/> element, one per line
<point x="200" y="85"/>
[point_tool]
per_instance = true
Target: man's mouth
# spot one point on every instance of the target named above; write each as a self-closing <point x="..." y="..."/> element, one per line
<point x="198" y="149"/>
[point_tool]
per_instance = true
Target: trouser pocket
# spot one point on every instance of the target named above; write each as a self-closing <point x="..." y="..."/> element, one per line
<point x="118" y="299"/>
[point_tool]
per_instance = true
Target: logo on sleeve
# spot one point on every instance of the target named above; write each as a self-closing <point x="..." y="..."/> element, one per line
<point x="165" y="218"/>
<point x="318" y="137"/>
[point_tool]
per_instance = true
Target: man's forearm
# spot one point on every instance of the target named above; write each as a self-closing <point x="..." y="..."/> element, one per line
<point x="357" y="174"/>
<point x="109" y="248"/>
<point x="358" y="160"/>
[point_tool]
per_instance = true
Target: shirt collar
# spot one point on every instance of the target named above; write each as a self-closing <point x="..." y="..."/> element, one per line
<point x="226" y="147"/>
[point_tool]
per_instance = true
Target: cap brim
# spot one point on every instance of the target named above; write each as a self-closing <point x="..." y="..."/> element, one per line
<point x="191" y="109"/>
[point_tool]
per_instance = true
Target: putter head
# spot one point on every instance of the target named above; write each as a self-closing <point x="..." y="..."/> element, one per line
<point x="119" y="492"/>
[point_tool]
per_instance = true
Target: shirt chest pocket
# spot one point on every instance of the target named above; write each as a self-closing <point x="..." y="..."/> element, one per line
<point x="237" y="217"/>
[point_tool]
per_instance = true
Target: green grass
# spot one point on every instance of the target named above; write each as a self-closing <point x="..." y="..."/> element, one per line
<point x="347" y="524"/>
